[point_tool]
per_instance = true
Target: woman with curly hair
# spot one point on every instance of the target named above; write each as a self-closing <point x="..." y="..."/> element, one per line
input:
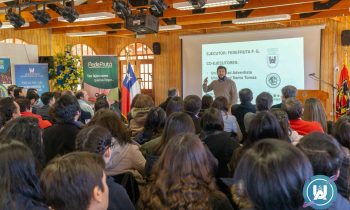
<point x="183" y="178"/>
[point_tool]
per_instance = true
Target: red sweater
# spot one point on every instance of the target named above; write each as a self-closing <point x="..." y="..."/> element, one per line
<point x="42" y="123"/>
<point x="305" y="127"/>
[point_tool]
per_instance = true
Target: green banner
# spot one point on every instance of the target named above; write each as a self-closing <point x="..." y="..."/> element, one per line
<point x="101" y="71"/>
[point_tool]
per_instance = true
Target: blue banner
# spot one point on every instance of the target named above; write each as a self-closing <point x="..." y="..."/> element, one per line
<point x="5" y="71"/>
<point x="33" y="76"/>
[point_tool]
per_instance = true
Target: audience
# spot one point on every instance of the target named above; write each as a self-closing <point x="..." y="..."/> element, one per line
<point x="294" y="109"/>
<point x="326" y="158"/>
<point x="48" y="100"/>
<point x="314" y="112"/>
<point x="176" y="104"/>
<point x="192" y="106"/>
<point x="10" y="90"/>
<point x="19" y="92"/>
<point x="19" y="184"/>
<point x="172" y="92"/>
<point x="183" y="178"/>
<point x="207" y="101"/>
<point x="33" y="97"/>
<point x="271" y="176"/>
<point x="96" y="139"/>
<point x="230" y="122"/>
<point x="239" y="110"/>
<point x="83" y="99"/>
<point x="75" y="181"/>
<point x="9" y="109"/>
<point x="101" y="103"/>
<point x="288" y="91"/>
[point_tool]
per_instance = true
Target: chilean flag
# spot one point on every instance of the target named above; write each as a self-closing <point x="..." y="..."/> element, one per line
<point x="130" y="88"/>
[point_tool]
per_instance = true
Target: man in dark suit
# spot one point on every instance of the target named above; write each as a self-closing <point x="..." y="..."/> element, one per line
<point x="288" y="91"/>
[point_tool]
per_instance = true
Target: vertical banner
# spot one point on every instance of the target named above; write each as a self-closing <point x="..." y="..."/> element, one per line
<point x="5" y="71"/>
<point x="33" y="76"/>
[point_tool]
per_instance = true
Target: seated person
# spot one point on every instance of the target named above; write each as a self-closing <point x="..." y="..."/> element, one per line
<point x="48" y="100"/>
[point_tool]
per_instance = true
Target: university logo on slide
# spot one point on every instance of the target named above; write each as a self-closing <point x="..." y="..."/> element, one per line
<point x="319" y="192"/>
<point x="273" y="80"/>
<point x="272" y="61"/>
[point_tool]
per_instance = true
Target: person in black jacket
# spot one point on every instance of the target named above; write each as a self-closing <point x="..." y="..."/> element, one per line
<point x="97" y="139"/>
<point x="19" y="188"/>
<point x="192" y="106"/>
<point x="220" y="143"/>
<point x="172" y="92"/>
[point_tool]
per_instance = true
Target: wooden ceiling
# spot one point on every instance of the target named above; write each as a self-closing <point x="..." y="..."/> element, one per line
<point x="209" y="18"/>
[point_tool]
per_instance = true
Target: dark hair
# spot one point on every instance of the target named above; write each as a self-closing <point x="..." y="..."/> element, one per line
<point x="101" y="103"/>
<point x="263" y="101"/>
<point x="27" y="131"/>
<point x="133" y="101"/>
<point x="110" y="120"/>
<point x="18" y="175"/>
<point x="221" y="103"/>
<point x="293" y="107"/>
<point x="282" y="118"/>
<point x="65" y="109"/>
<point x="79" y="94"/>
<point x="280" y="170"/>
<point x="289" y="91"/>
<point x="155" y="120"/>
<point x="32" y="90"/>
<point x="211" y="120"/>
<point x="176" y="104"/>
<point x="192" y="104"/>
<point x="176" y="123"/>
<point x="23" y="103"/>
<point x="221" y="67"/>
<point x="94" y="138"/>
<point x="143" y="101"/>
<point x="245" y="95"/>
<point x="323" y="152"/>
<point x="47" y="97"/>
<point x="182" y="177"/>
<point x="32" y="95"/>
<point x="207" y="101"/>
<point x="341" y="131"/>
<point x="10" y="89"/>
<point x="172" y="92"/>
<point x="264" y="125"/>
<point x="7" y="108"/>
<point x="17" y="91"/>
<point x="68" y="181"/>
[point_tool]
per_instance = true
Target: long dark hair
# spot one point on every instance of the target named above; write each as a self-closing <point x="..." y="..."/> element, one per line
<point x="155" y="120"/>
<point x="17" y="174"/>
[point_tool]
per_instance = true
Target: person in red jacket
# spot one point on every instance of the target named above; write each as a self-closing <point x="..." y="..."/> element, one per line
<point x="294" y="109"/>
<point x="26" y="110"/>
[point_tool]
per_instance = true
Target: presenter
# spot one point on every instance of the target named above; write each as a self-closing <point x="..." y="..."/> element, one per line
<point x="222" y="87"/>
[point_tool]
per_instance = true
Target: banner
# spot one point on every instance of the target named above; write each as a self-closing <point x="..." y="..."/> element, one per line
<point x="101" y="71"/>
<point x="33" y="76"/>
<point x="5" y="71"/>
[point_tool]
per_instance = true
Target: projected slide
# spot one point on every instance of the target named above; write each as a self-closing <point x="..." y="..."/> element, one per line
<point x="264" y="65"/>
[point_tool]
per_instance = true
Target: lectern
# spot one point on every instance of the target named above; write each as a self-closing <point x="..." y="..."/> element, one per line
<point x="302" y="95"/>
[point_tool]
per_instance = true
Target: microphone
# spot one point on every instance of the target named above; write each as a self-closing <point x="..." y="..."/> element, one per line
<point x="312" y="74"/>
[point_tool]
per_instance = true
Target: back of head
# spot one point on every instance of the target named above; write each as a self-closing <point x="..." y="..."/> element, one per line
<point x="272" y="174"/>
<point x="143" y="101"/>
<point x="314" y="111"/>
<point x="69" y="182"/>
<point x="282" y="118"/>
<point x="7" y="108"/>
<point x="17" y="91"/>
<point x="263" y="101"/>
<point x="323" y="152"/>
<point x="341" y="131"/>
<point x="10" y="89"/>
<point x="289" y="91"/>
<point x="65" y="109"/>
<point x="172" y="92"/>
<point x="192" y="104"/>
<point x="17" y="172"/>
<point x="293" y="107"/>
<point x="110" y="120"/>
<point x="245" y="95"/>
<point x="211" y="120"/>
<point x="183" y="174"/>
<point x="221" y="103"/>
<point x="155" y="120"/>
<point x="32" y="95"/>
<point x="101" y="103"/>
<point x="24" y="104"/>
<point x="264" y="125"/>
<point x="94" y="138"/>
<point x="176" y="104"/>
<point x="80" y="94"/>
<point x="207" y="100"/>
<point x="46" y="97"/>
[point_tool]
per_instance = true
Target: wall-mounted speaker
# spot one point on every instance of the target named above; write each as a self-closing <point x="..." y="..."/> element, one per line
<point x="47" y="59"/>
<point x="156" y="48"/>
<point x="345" y="37"/>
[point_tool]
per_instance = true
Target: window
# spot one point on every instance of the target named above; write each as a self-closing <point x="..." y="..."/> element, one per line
<point x="82" y="49"/>
<point x="141" y="59"/>
<point x="13" y="41"/>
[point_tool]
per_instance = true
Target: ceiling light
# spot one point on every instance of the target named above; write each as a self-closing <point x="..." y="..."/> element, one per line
<point x="67" y="12"/>
<point x="91" y="17"/>
<point x="197" y="4"/>
<point x="41" y="17"/>
<point x="8" y="25"/>
<point x="121" y="9"/>
<point x="210" y="3"/>
<point x="16" y="20"/>
<point x="261" y="19"/>
<point x="90" y="33"/>
<point x="170" y="27"/>
<point x="157" y="7"/>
